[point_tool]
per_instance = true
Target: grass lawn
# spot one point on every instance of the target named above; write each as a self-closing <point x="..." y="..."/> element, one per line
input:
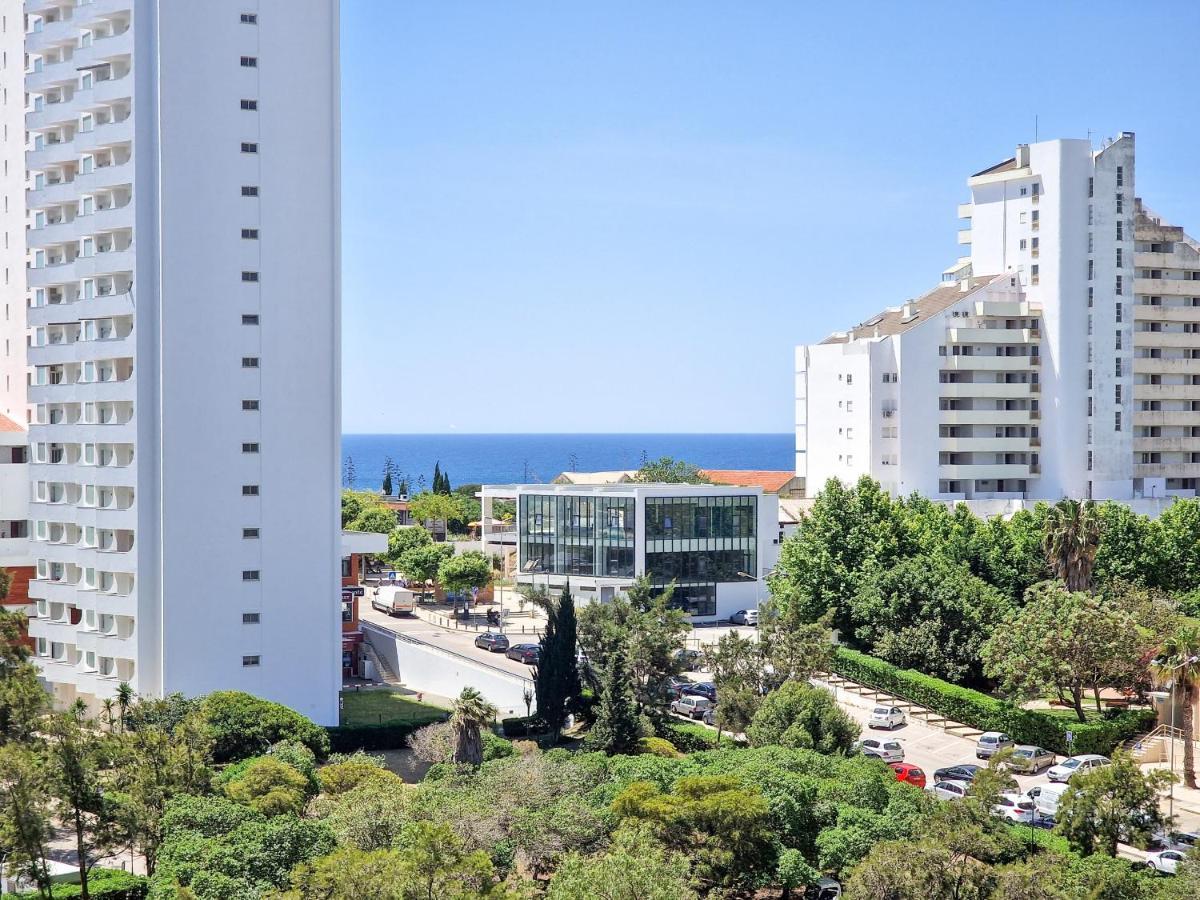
<point x="384" y="707"/>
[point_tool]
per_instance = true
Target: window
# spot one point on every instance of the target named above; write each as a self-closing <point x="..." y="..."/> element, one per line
<point x="250" y="405"/>
<point x="1117" y="420"/>
<point x="1117" y="367"/>
<point x="1033" y="274"/>
<point x="1091" y="269"/>
<point x="1120" y="176"/>
<point x="249" y="104"/>
<point x="1091" y="186"/>
<point x="1119" y="258"/>
<point x="249" y="448"/>
<point x="249" y="18"/>
<point x="249" y="147"/>
<point x="250" y="618"/>
<point x="249" y="490"/>
<point x="1117" y="340"/>
<point x="249" y="190"/>
<point x="1021" y="218"/>
<point x="252" y="319"/>
<point x="1120" y="229"/>
<point x="249" y="62"/>
<point x="1024" y="191"/>
<point x="1119" y="287"/>
<point x="249" y="534"/>
<point x="250" y="234"/>
<point x="1022" y="247"/>
<point x="249" y="661"/>
<point x="1089" y="460"/>
<point x="249" y="276"/>
<point x="249" y="362"/>
<point x="250" y="575"/>
<point x="1117" y="393"/>
<point x="1091" y="241"/>
<point x="1120" y="311"/>
<point x="1120" y="204"/>
<point x="1091" y="292"/>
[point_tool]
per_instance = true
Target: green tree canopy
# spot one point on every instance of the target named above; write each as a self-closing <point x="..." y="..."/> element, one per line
<point x="1114" y="803"/>
<point x="667" y="470"/>
<point x="465" y="571"/>
<point x="801" y="716"/>
<point x="635" y="867"/>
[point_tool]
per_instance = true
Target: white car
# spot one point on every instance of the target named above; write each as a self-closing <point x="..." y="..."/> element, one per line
<point x="1015" y="808"/>
<point x="691" y="706"/>
<point x="1165" y="862"/>
<point x="888" y="717"/>
<point x="745" y="617"/>
<point x="1073" y="765"/>
<point x="888" y="751"/>
<point x="949" y="790"/>
<point x="1047" y="798"/>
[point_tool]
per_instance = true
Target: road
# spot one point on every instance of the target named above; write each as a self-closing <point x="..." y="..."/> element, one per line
<point x="461" y="642"/>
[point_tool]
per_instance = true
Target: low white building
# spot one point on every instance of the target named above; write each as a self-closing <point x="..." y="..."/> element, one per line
<point x="715" y="542"/>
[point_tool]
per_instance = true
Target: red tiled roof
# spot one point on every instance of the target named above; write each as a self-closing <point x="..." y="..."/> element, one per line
<point x="7" y="424"/>
<point x="772" y="482"/>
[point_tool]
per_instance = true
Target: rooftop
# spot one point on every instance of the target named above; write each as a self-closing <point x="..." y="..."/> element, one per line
<point x="1007" y="166"/>
<point x="770" y="480"/>
<point x="619" y="476"/>
<point x="7" y="424"/>
<point x="898" y="319"/>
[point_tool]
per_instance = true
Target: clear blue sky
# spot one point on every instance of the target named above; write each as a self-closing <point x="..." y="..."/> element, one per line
<point x="569" y="216"/>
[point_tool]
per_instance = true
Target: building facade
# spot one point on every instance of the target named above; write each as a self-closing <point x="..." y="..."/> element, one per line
<point x="714" y="542"/>
<point x="182" y="292"/>
<point x="1059" y="358"/>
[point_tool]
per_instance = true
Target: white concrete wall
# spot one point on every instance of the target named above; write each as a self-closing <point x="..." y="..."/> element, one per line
<point x="423" y="667"/>
<point x="840" y="414"/>
<point x="13" y="401"/>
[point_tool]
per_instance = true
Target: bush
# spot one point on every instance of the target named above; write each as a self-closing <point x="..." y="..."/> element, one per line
<point x="352" y="738"/>
<point x="243" y="725"/>
<point x="978" y="710"/>
<point x="523" y="726"/>
<point x="656" y="746"/>
<point x="496" y="747"/>
<point x="103" y="884"/>
<point x="692" y="738"/>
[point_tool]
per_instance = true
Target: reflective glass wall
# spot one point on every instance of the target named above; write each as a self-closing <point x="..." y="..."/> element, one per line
<point x="567" y="534"/>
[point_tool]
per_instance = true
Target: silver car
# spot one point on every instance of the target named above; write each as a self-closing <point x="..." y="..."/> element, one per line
<point x="691" y="706"/>
<point x="990" y="743"/>
<point x="949" y="790"/>
<point x="1030" y="760"/>
<point x="889" y="751"/>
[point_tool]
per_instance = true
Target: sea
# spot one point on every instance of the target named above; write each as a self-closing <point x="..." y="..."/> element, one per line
<point x="537" y="458"/>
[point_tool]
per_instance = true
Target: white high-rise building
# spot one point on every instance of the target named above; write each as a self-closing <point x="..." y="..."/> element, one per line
<point x="1061" y="357"/>
<point x="173" y="167"/>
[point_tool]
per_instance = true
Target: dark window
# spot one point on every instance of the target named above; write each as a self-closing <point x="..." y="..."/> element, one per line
<point x="249" y="362"/>
<point x="249" y="104"/>
<point x="249" y="276"/>
<point x="249" y="190"/>
<point x="250" y="405"/>
<point x="249" y="661"/>
<point x="250" y="62"/>
<point x="249" y="147"/>
<point x="249" y="18"/>
<point x="346" y="568"/>
<point x="249" y="448"/>
<point x="250" y="319"/>
<point x="250" y="234"/>
<point x="250" y="575"/>
<point x="249" y="490"/>
<point x="249" y="533"/>
<point x="249" y="618"/>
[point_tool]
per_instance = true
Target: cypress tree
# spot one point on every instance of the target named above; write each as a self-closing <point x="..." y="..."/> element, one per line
<point x="437" y="478"/>
<point x="387" y="484"/>
<point x="556" y="681"/>
<point x="616" y="729"/>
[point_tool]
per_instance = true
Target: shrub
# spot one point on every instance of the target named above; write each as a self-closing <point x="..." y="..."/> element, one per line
<point x="243" y="725"/>
<point x="352" y="738"/>
<point x="978" y="710"/>
<point x="656" y="746"/>
<point x="269" y="786"/>
<point x="802" y="717"/>
<point x="345" y="774"/>
<point x="496" y="747"/>
<point x="103" y="884"/>
<point x="523" y="726"/>
<point x="691" y="738"/>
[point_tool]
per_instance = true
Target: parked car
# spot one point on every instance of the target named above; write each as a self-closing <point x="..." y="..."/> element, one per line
<point x="1073" y="765"/>
<point x="492" y="641"/>
<point x="691" y="706"/>
<point x="1030" y="760"/>
<point x="962" y="772"/>
<point x="825" y="889"/>
<point x="530" y="654"/>
<point x="888" y="717"/>
<point x="710" y="716"/>
<point x="1175" y="840"/>
<point x="1047" y="799"/>
<point x="949" y="790"/>
<point x="909" y="774"/>
<point x="703" y="689"/>
<point x="395" y="601"/>
<point x="676" y="684"/>
<point x="1165" y="862"/>
<point x="990" y="743"/>
<point x="1015" y="808"/>
<point x="691" y="660"/>
<point x="745" y="617"/>
<point x="889" y="751"/>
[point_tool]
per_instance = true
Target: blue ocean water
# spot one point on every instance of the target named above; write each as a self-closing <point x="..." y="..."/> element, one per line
<point x="532" y="458"/>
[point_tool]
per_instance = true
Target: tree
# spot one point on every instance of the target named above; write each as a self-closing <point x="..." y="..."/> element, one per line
<point x="1177" y="663"/>
<point x="1179" y="535"/>
<point x="794" y="650"/>
<point x="1071" y="541"/>
<point x="269" y="786"/>
<point x="389" y="469"/>
<point x="242" y="725"/>
<point x="25" y="812"/>
<point x="804" y="717"/>
<point x="435" y="506"/>
<point x="75" y="754"/>
<point x="1114" y="803"/>
<point x="556" y="678"/>
<point x="722" y="824"/>
<point x="643" y="620"/>
<point x="616" y="729"/>
<point x="470" y="714"/>
<point x="1129" y="547"/>
<point x="349" y="473"/>
<point x="666" y="470"/>
<point x="928" y="613"/>
<point x="23" y="701"/>
<point x="907" y="870"/>
<point x="465" y="571"/>
<point x="738" y="667"/>
<point x="423" y="563"/>
<point x="406" y="538"/>
<point x="1067" y="642"/>
<point x="635" y="867"/>
<point x="375" y="519"/>
<point x="370" y="815"/>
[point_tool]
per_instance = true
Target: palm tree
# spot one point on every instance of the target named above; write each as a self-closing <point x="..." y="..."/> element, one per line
<point x="1178" y="661"/>
<point x="1070" y="541"/>
<point x="109" y="706"/>
<point x="125" y="697"/>
<point x="471" y="714"/>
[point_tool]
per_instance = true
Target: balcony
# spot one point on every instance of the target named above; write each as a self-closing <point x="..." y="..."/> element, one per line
<point x="1167" y="287"/>
<point x="52" y="114"/>
<point x="1169" y="444"/>
<point x="1148" y="366"/>
<point x="990" y="363"/>
<point x="1166" y="470"/>
<point x="105" y="49"/>
<point x="51" y="155"/>
<point x="1147" y="260"/>
<point x="988" y="390"/>
<point x="64" y="32"/>
<point x="990" y="471"/>
<point x="1144" y="312"/>
<point x="966" y="210"/>
<point x="985" y="444"/>
<point x="992" y="335"/>
<point x="988" y="417"/>
<point x="110" y="176"/>
<point x="1006" y="309"/>
<point x="113" y="262"/>
<point x="1165" y="339"/>
<point x="1166" y="392"/>
<point x="964" y="236"/>
<point x="1167" y="417"/>
<point x="52" y="194"/>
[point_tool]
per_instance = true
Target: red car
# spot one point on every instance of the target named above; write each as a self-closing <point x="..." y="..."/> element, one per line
<point x="909" y="773"/>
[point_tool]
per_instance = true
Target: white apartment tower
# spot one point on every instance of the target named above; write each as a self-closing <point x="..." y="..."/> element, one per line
<point x="173" y="168"/>
<point x="1060" y="358"/>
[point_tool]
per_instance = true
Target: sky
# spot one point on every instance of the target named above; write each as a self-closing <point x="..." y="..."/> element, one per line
<point x="623" y="216"/>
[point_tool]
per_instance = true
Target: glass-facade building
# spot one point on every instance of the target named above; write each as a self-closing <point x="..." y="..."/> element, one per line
<point x="697" y="542"/>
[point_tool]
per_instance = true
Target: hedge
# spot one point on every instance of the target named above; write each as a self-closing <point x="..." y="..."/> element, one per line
<point x="978" y="710"/>
<point x="103" y="884"/>
<point x="391" y="736"/>
<point x="523" y="726"/>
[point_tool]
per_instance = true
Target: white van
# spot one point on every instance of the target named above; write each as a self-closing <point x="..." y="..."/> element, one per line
<point x="395" y="601"/>
<point x="1047" y="798"/>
